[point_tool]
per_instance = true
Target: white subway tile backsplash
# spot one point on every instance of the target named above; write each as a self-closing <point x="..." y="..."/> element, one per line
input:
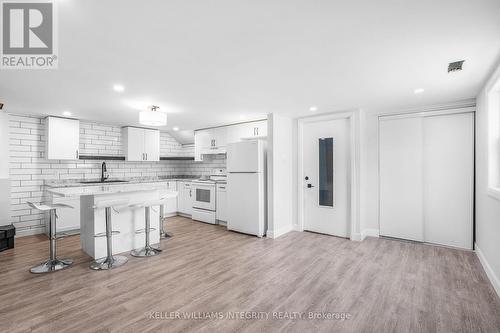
<point x="29" y="169"/>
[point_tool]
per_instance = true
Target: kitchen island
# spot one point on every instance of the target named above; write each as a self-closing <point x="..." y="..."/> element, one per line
<point x="127" y="220"/>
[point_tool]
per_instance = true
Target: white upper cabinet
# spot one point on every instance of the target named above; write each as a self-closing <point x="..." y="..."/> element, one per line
<point x="253" y="129"/>
<point x="152" y="145"/>
<point x="140" y="144"/>
<point x="210" y="141"/>
<point x="62" y="138"/>
<point x="133" y="143"/>
<point x="215" y="140"/>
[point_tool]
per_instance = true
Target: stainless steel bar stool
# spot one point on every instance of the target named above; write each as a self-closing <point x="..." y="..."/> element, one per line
<point x="53" y="264"/>
<point x="163" y="233"/>
<point x="147" y="250"/>
<point x="110" y="261"/>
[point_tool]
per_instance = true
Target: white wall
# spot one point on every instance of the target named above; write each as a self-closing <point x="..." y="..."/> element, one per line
<point x="4" y="170"/>
<point x="280" y="164"/>
<point x="487" y="207"/>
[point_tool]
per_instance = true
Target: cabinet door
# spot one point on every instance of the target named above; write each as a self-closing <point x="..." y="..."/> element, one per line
<point x="203" y="138"/>
<point x="221" y="210"/>
<point x="171" y="207"/>
<point x="184" y="197"/>
<point x="190" y="198"/>
<point x="152" y="145"/>
<point x="202" y="143"/>
<point x="133" y="143"/>
<point x="220" y="137"/>
<point x="181" y="199"/>
<point x="63" y="138"/>
<point x="259" y="128"/>
<point x="233" y="134"/>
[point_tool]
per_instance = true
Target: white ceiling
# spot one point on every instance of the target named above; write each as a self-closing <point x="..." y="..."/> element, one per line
<point x="214" y="62"/>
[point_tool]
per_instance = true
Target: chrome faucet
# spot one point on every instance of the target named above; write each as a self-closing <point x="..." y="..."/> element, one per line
<point x="104" y="174"/>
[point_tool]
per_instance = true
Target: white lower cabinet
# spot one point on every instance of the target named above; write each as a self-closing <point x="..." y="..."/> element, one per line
<point x="171" y="206"/>
<point x="220" y="202"/>
<point x="185" y="198"/>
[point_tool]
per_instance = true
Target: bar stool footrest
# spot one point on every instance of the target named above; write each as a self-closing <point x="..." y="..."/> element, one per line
<point x="140" y="231"/>
<point x="103" y="234"/>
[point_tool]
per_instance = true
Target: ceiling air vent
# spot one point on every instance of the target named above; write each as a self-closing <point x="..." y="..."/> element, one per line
<point x="455" y="66"/>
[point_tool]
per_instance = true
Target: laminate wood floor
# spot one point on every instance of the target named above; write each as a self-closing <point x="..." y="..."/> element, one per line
<point x="205" y="271"/>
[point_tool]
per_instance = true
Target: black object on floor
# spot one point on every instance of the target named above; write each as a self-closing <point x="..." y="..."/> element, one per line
<point x="7" y="233"/>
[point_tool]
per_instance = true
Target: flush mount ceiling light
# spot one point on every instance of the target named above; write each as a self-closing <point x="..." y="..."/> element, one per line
<point x="153" y="117"/>
<point x="313" y="108"/>
<point x="418" y="91"/>
<point x="175" y="128"/>
<point x="67" y="113"/>
<point x="118" y="88"/>
<point x="455" y="66"/>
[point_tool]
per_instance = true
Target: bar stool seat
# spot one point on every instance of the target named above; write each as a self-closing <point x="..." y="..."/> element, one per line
<point x="147" y="250"/>
<point x="110" y="261"/>
<point x="53" y="263"/>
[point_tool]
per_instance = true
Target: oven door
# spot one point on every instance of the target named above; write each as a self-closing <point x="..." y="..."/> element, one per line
<point x="204" y="196"/>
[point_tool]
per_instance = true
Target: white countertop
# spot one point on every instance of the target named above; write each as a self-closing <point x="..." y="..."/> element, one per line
<point x="76" y="191"/>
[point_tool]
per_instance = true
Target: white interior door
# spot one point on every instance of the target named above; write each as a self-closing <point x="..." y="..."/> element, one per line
<point x="401" y="179"/>
<point x="326" y="166"/>
<point x="427" y="178"/>
<point x="449" y="178"/>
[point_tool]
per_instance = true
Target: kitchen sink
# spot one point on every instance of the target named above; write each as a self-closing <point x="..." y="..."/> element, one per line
<point x="104" y="182"/>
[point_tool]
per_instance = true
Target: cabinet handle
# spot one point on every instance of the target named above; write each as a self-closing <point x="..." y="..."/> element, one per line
<point x="77" y="154"/>
<point x="146" y="156"/>
<point x="190" y="194"/>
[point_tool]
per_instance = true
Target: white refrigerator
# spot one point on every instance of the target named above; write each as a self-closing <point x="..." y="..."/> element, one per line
<point x="246" y="187"/>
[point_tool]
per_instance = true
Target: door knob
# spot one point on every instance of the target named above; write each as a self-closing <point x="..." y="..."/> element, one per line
<point x="309" y="185"/>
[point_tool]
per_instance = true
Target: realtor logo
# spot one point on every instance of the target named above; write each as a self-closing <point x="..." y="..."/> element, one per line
<point x="28" y="35"/>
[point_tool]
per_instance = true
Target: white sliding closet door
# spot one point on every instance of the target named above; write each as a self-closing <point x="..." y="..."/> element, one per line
<point x="401" y="209"/>
<point x="426" y="178"/>
<point x="448" y="175"/>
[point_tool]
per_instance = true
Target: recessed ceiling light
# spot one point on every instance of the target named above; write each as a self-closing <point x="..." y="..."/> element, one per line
<point x="418" y="90"/>
<point x="175" y="128"/>
<point x="313" y="108"/>
<point x="66" y="113"/>
<point x="118" y="88"/>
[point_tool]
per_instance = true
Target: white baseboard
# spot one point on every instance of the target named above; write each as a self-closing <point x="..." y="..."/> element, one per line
<point x="495" y="281"/>
<point x="356" y="237"/>
<point x="369" y="233"/>
<point x="279" y="232"/>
